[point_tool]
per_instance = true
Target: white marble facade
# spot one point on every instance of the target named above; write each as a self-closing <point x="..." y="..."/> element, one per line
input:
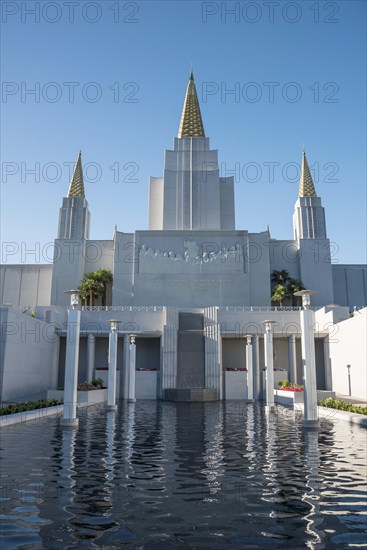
<point x="191" y="257"/>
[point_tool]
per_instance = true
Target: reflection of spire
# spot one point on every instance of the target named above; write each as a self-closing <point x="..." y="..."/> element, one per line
<point x="306" y="186"/>
<point x="191" y="124"/>
<point x="76" y="188"/>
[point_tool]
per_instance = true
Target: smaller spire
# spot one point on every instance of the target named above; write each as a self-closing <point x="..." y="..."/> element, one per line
<point x="76" y="188"/>
<point x="306" y="186"/>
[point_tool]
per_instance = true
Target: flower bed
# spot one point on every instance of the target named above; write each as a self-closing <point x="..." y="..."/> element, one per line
<point x="230" y="369"/>
<point x="297" y="389"/>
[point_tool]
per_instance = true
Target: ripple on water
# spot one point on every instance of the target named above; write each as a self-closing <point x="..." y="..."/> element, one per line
<point x="161" y="475"/>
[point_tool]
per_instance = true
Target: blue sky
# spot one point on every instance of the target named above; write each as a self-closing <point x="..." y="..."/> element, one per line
<point x="309" y="55"/>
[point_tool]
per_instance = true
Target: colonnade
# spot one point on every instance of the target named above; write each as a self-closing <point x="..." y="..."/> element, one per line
<point x="252" y="362"/>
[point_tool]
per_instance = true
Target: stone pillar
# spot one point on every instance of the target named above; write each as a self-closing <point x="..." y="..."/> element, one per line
<point x="69" y="418"/>
<point x="256" y="367"/>
<point x="269" y="363"/>
<point x="292" y="359"/>
<point x="308" y="360"/>
<point x="327" y="365"/>
<point x="124" y="390"/>
<point x="169" y="357"/>
<point x="212" y="347"/>
<point x="112" y="365"/>
<point x="250" y="369"/>
<point x="220" y="363"/>
<point x="91" y="348"/>
<point x="132" y="369"/>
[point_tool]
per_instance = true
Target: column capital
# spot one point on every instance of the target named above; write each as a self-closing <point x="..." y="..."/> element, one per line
<point x="91" y="337"/>
<point x="306" y="297"/>
<point x="248" y="339"/>
<point x="132" y="338"/>
<point x="114" y="324"/>
<point x="74" y="297"/>
<point x="269" y="325"/>
<point x="292" y="337"/>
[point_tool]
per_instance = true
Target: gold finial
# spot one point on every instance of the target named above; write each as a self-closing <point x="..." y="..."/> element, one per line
<point x="76" y="188"/>
<point x="191" y="124"/>
<point x="306" y="186"/>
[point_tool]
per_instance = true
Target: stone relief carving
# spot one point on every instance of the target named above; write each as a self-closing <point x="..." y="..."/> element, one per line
<point x="157" y="261"/>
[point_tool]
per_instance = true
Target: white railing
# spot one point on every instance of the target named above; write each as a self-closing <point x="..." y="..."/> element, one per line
<point x="263" y="308"/>
<point x="122" y="308"/>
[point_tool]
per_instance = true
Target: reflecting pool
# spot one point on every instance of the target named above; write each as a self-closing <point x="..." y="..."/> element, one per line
<point x="183" y="475"/>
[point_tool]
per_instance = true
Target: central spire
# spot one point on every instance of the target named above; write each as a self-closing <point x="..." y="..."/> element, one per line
<point x="306" y="186"/>
<point x="191" y="124"/>
<point x="76" y="188"/>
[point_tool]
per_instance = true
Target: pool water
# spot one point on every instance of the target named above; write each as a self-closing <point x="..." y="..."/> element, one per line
<point x="184" y="475"/>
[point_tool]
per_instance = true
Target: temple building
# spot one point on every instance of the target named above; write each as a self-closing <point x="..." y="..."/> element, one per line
<point x="192" y="289"/>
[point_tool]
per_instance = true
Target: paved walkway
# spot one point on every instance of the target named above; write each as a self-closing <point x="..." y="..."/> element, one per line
<point x="351" y="399"/>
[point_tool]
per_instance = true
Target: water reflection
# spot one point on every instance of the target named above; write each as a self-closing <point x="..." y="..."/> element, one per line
<point x="195" y="475"/>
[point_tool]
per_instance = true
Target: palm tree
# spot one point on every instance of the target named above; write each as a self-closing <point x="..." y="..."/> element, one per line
<point x="92" y="287"/>
<point x="104" y="277"/>
<point x="295" y="285"/>
<point x="280" y="293"/>
<point x="280" y="277"/>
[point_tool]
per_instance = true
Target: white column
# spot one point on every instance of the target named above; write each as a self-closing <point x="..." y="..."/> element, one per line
<point x="256" y="368"/>
<point x="269" y="363"/>
<point x="308" y="360"/>
<point x="327" y="365"/>
<point x="69" y="418"/>
<point x="132" y="369"/>
<point x="250" y="370"/>
<point x="91" y="347"/>
<point x="292" y="359"/>
<point x="112" y="365"/>
<point x="220" y="363"/>
<point x="124" y="390"/>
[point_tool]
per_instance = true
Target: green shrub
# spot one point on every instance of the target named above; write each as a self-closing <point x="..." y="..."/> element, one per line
<point x="341" y="406"/>
<point x="29" y="406"/>
<point x="283" y="384"/>
<point x="97" y="382"/>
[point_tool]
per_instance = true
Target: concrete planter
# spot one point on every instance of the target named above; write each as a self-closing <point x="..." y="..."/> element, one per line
<point x="290" y="398"/>
<point x="92" y="396"/>
<point x="235" y="384"/>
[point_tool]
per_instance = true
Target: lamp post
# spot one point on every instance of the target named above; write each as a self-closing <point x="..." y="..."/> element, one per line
<point x="132" y="369"/>
<point x="308" y="359"/>
<point x="269" y="362"/>
<point x="250" y="368"/>
<point x="69" y="418"/>
<point x="112" y="364"/>
<point x="349" y="381"/>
